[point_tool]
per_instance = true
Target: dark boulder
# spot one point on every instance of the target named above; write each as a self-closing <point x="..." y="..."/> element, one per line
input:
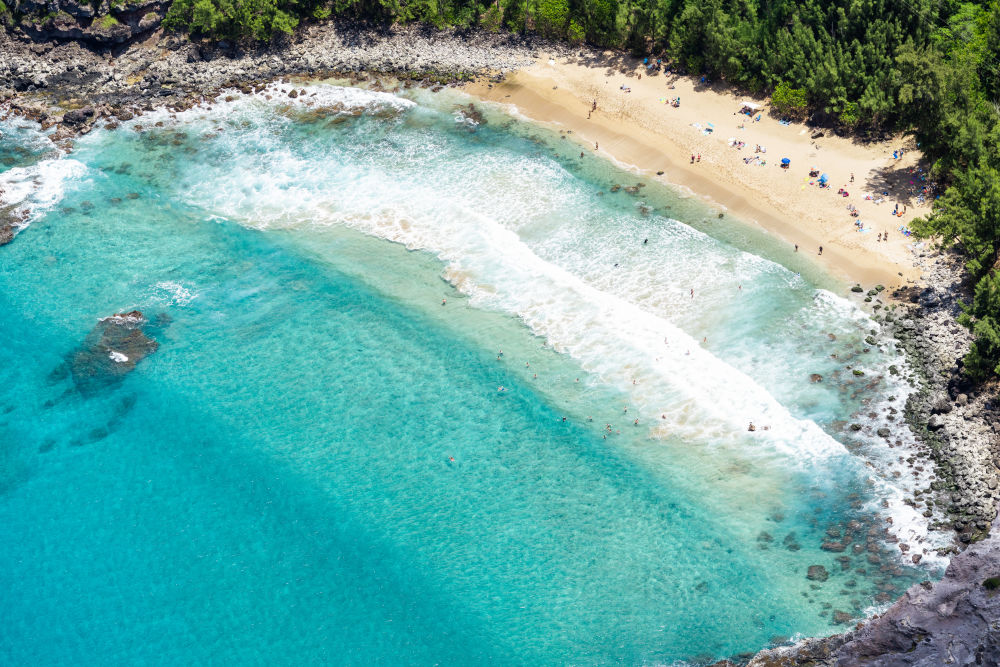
<point x="935" y="423"/>
<point x="111" y="351"/>
<point x="78" y="116"/>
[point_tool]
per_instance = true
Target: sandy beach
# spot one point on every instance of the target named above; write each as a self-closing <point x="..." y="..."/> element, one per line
<point x="641" y="129"/>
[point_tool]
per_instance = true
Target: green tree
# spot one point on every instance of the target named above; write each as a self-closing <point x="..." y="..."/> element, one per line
<point x="983" y="318"/>
<point x="789" y="100"/>
<point x="552" y="18"/>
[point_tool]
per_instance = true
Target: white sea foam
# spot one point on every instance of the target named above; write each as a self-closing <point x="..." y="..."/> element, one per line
<point x="174" y="293"/>
<point x="32" y="191"/>
<point x="318" y="96"/>
<point x="117" y="357"/>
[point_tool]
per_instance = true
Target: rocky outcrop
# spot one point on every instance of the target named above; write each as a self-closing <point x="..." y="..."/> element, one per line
<point x="98" y="24"/>
<point x="111" y="350"/>
<point x="955" y="621"/>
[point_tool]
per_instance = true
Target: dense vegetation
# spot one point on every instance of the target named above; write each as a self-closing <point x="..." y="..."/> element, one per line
<point x="868" y="65"/>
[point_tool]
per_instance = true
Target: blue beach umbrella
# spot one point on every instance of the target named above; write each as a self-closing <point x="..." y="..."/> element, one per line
<point x="823" y="179"/>
<point x="785" y="160"/>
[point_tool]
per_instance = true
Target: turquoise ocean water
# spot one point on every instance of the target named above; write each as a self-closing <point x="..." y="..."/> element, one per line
<point x="323" y="463"/>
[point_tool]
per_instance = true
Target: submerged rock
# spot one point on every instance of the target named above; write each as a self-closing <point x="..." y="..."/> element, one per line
<point x="10" y="221"/>
<point x="817" y="573"/>
<point x="111" y="351"/>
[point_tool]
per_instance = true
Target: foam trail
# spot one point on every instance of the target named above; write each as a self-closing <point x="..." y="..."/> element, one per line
<point x="699" y="395"/>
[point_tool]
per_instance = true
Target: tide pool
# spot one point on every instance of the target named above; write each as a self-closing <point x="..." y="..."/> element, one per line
<point x="323" y="462"/>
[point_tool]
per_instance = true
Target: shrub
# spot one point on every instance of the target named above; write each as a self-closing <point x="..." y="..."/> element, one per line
<point x="107" y="22"/>
<point x="850" y="114"/>
<point x="492" y="19"/>
<point x="789" y="100"/>
<point x="575" y="34"/>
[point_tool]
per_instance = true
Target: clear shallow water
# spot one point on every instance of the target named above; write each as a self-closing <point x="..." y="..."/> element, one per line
<point x="317" y="463"/>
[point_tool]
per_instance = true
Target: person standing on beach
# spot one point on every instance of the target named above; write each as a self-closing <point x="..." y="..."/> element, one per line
<point x="796" y="247"/>
<point x="821" y="250"/>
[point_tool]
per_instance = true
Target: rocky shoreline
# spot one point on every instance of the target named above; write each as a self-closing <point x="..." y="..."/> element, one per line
<point x="67" y="83"/>
<point x="956" y="620"/>
<point x="73" y="82"/>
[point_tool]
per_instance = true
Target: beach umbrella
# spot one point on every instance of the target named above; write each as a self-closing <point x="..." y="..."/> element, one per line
<point x="785" y="160"/>
<point x="823" y="179"/>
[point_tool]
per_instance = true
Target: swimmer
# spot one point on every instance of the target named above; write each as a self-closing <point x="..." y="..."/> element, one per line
<point x="645" y="241"/>
<point x="692" y="292"/>
<point x="589" y="418"/>
<point x="535" y="376"/>
<point x="625" y="409"/>
<point x="564" y="419"/>
<point x="636" y="422"/>
<point x="501" y="388"/>
<point x="444" y="301"/>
